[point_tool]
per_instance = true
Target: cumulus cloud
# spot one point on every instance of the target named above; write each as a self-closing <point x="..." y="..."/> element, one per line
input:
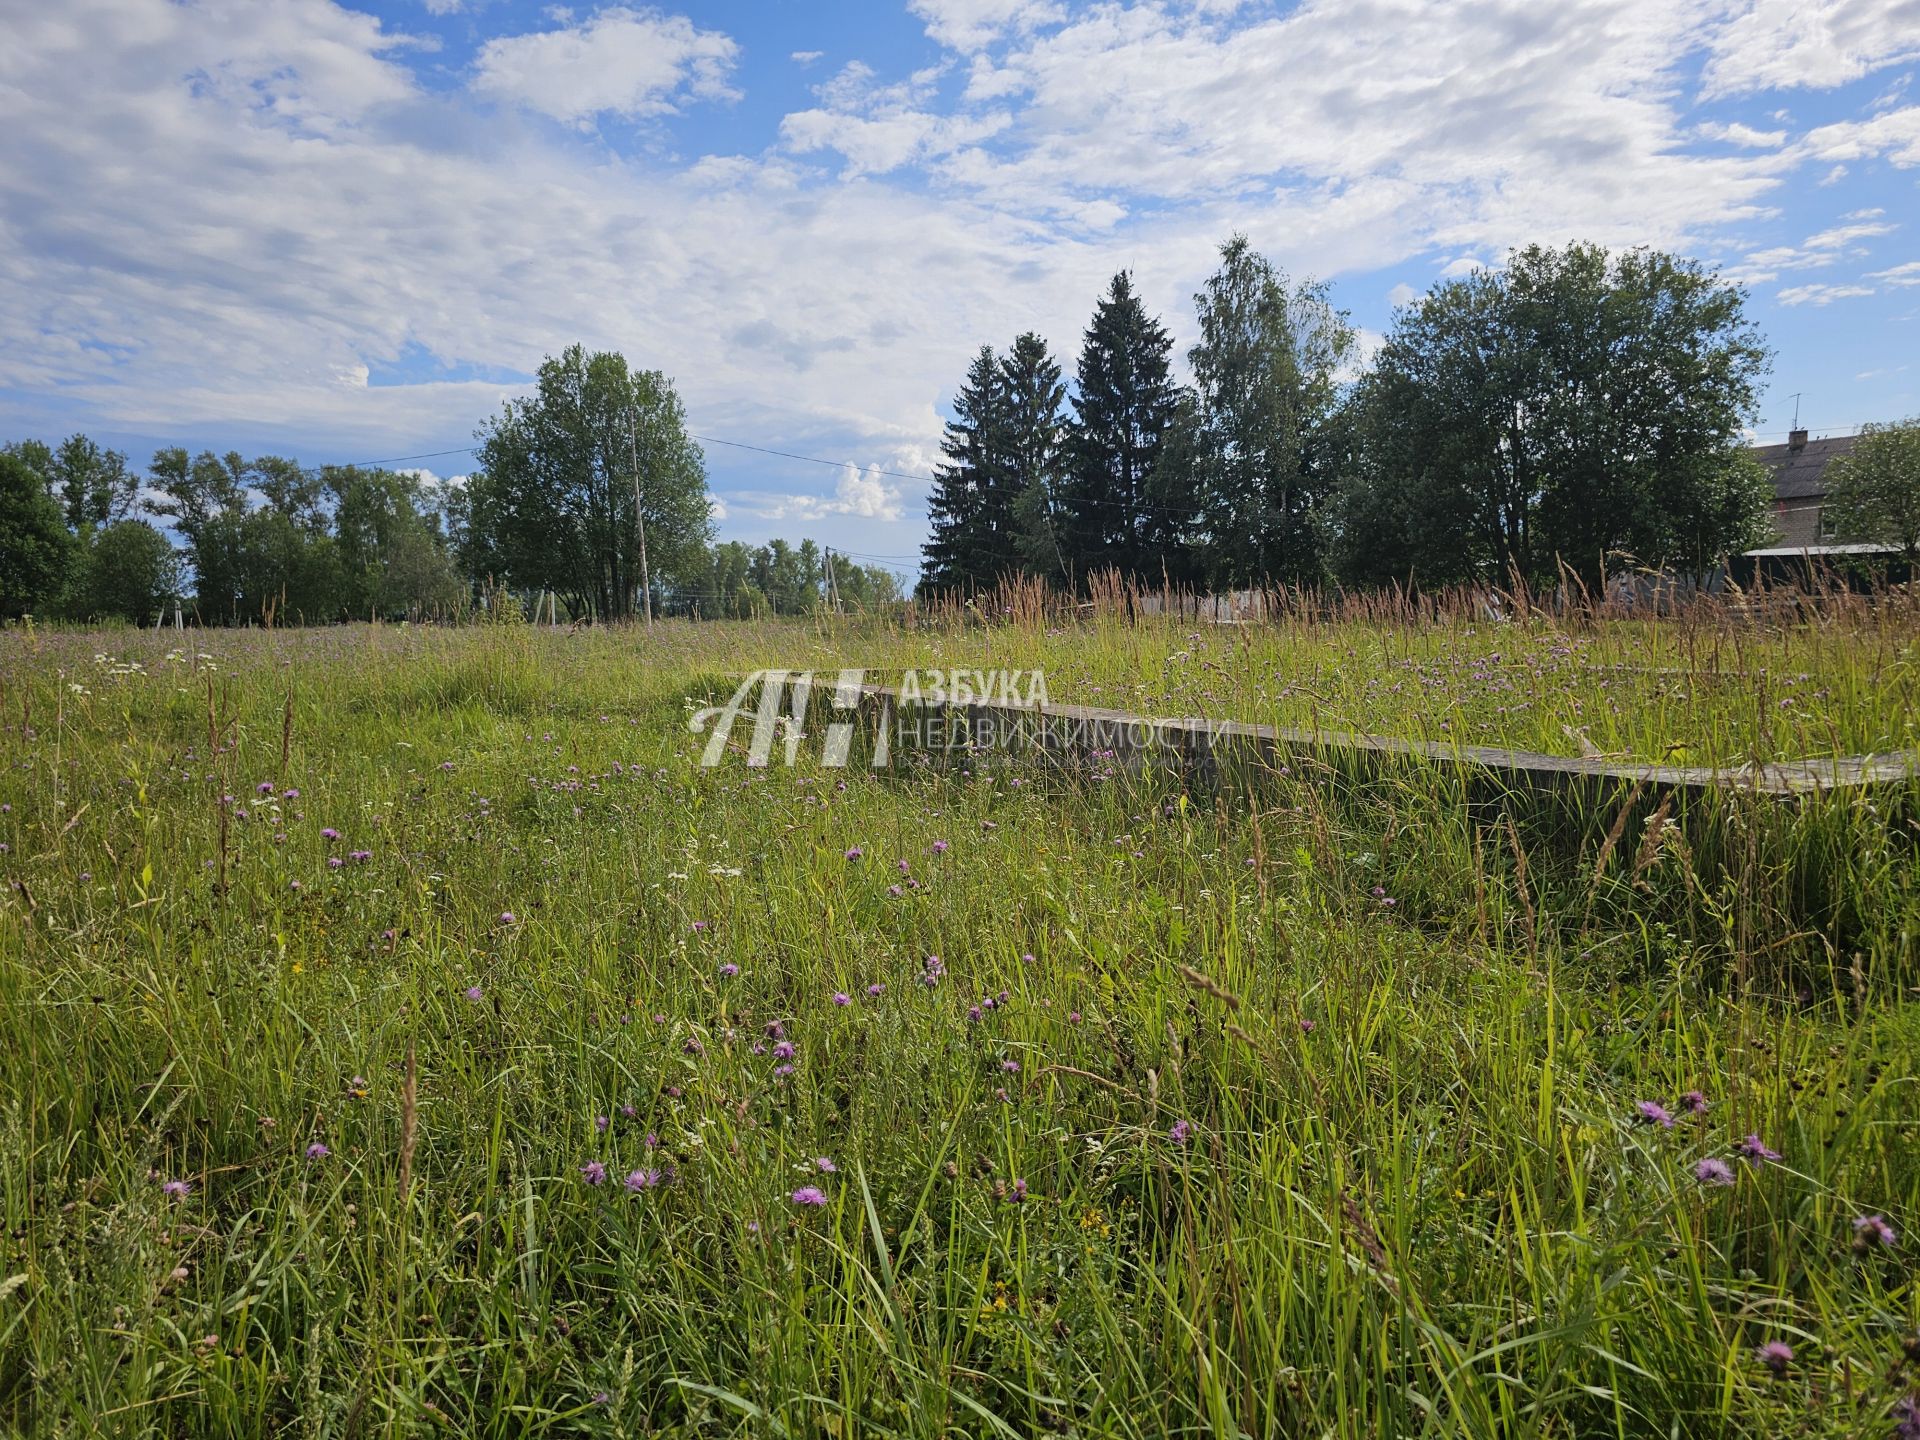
<point x="1782" y="44"/>
<point x="623" y="62"/>
<point x="1907" y="274"/>
<point x="864" y="494"/>
<point x="970" y="24"/>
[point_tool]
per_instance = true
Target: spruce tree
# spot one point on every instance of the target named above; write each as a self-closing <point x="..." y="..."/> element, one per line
<point x="1036" y="436"/>
<point x="1124" y="404"/>
<point x="973" y="542"/>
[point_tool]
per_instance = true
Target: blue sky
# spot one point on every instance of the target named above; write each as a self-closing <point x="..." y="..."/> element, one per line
<point x="347" y="232"/>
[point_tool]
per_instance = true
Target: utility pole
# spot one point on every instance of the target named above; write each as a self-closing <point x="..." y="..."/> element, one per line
<point x="639" y="517"/>
<point x="833" y="589"/>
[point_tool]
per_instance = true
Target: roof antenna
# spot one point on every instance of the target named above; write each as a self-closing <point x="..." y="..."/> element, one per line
<point x="1796" y="409"/>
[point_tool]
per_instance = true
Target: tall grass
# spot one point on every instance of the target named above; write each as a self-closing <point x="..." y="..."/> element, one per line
<point x="1304" y="1108"/>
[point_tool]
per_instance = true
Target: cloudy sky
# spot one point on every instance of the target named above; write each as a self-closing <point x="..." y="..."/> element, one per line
<point x="346" y="232"/>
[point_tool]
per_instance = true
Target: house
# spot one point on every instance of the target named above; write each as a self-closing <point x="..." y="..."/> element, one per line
<point x="1799" y="470"/>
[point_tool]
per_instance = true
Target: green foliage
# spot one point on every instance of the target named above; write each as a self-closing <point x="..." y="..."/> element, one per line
<point x="1576" y="408"/>
<point x="1874" y="489"/>
<point x="35" y="548"/>
<point x="1124" y="403"/>
<point x="973" y="534"/>
<point x="1266" y="376"/>
<point x="126" y="570"/>
<point x="551" y="506"/>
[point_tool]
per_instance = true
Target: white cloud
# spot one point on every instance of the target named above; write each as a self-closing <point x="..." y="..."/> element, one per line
<point x="971" y="24"/>
<point x="1820" y="294"/>
<point x="1738" y="134"/>
<point x="805" y="57"/>
<point x="865" y="494"/>
<point x="1907" y="274"/>
<point x="1781" y="44"/>
<point x="1402" y="294"/>
<point x="623" y="62"/>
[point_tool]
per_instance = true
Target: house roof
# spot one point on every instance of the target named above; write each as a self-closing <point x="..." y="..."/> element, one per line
<point x="1800" y="474"/>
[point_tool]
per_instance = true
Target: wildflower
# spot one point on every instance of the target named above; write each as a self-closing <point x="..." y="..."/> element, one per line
<point x="1180" y="1131"/>
<point x="840" y="997"/>
<point x="809" y="1195"/>
<point x="1754" y="1149"/>
<point x="1776" y="1355"/>
<point x="334" y="862"/>
<point x="265" y="787"/>
<point x="783" y="1050"/>
<point x="317" y="1151"/>
<point x="506" y="917"/>
<point x="1027" y="959"/>
<point x="1018" y="1194"/>
<point x="904" y="867"/>
<point x="1651" y="1113"/>
<point x="729" y="970"/>
<point x="973" y="1013"/>
<point x="940" y="847"/>
<point x="893" y="891"/>
<point x="1012" y="1067"/>
<point x="329" y="833"/>
<point x="693" y="1046"/>
<point x="853" y="852"/>
<point x="628" y="1111"/>
<point x="178" y="1189"/>
<point x="600" y="1123"/>
<point x="1694" y="1103"/>
<point x="474" y="993"/>
<point x="1713" y="1172"/>
<point x="602" y="1399"/>
<point x="781" y="1072"/>
<point x="876" y="990"/>
<point x="594" y="1172"/>
<point x="1073" y="1017"/>
<point x="1307" y="1027"/>
<point x="1871" y="1230"/>
<point x="643" y="1180"/>
<point x="825" y="1166"/>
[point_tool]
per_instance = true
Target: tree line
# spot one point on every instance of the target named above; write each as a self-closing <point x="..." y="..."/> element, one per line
<point x="567" y="479"/>
<point x="1569" y="412"/>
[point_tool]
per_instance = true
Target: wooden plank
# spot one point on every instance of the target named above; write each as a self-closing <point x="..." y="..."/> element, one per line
<point x="1197" y="738"/>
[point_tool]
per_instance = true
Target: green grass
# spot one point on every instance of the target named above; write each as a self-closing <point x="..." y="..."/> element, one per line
<point x="1412" y="1196"/>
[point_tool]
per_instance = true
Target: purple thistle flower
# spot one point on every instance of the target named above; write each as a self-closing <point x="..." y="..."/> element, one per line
<point x="1180" y="1131"/>
<point x="809" y="1195"/>
<point x="1776" y="1355"/>
<point x="1713" y="1172"/>
<point x="1307" y="1027"/>
<point x="628" y="1111"/>
<point x="693" y="1046"/>
<point x="940" y="847"/>
<point x="600" y="1123"/>
<point x="265" y="787"/>
<point x="1754" y="1149"/>
<point x="783" y="1050"/>
<point x="781" y="1072"/>
<point x="594" y="1172"/>
<point x="474" y="993"/>
<point x="840" y="997"/>
<point x="1017" y="1193"/>
<point x="1011" y="1067"/>
<point x="876" y="990"/>
<point x="1651" y="1113"/>
<point x="178" y="1189"/>
<point x="329" y="833"/>
<point x="894" y="891"/>
<point x="1871" y="1230"/>
<point x="826" y="1166"/>
<point x="973" y="1013"/>
<point x="643" y="1179"/>
<point x="1694" y="1103"/>
<point x="334" y="862"/>
<point x="729" y="970"/>
<point x="507" y="917"/>
<point x="317" y="1151"/>
<point x="853" y="852"/>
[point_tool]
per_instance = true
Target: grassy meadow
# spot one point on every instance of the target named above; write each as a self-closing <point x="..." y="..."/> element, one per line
<point x="402" y="1034"/>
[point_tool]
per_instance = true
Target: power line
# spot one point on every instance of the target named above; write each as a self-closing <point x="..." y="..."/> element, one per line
<point x="810" y="459"/>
